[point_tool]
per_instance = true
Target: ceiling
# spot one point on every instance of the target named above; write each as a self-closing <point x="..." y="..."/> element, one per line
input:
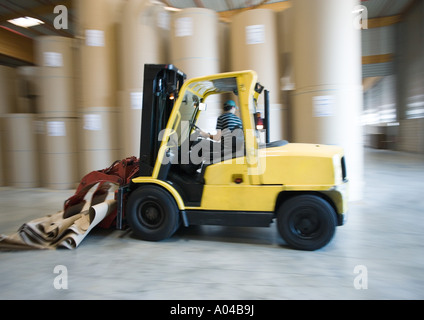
<point x="39" y="9"/>
<point x="376" y="8"/>
<point x="43" y="10"/>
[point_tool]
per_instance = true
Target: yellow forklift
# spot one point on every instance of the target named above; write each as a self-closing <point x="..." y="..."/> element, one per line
<point x="186" y="179"/>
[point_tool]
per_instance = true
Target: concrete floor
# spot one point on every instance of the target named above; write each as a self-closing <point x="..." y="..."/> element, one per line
<point x="383" y="239"/>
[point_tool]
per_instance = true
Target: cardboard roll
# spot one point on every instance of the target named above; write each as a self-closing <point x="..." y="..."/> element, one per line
<point x="97" y="22"/>
<point x="8" y="88"/>
<point x="195" y="42"/>
<point x="55" y="56"/>
<point x="98" y="132"/>
<point x="2" y="155"/>
<point x="28" y="81"/>
<point x="20" y="150"/>
<point x="58" y="152"/>
<point x="144" y="35"/>
<point x="131" y="102"/>
<point x="254" y="47"/>
<point x="145" y="38"/>
<point x="56" y="97"/>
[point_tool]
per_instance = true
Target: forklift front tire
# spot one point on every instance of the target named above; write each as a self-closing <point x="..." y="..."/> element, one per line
<point x="152" y="213"/>
<point x="306" y="222"/>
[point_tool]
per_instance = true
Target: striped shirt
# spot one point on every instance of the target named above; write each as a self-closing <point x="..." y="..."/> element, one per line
<point x="227" y="122"/>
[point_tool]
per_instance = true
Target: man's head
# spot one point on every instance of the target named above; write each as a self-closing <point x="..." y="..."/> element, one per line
<point x="230" y="104"/>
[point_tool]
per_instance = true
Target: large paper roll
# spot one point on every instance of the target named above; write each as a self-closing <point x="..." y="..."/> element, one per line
<point x="55" y="58"/>
<point x="59" y="153"/>
<point x="99" y="133"/>
<point x="8" y="90"/>
<point x="96" y="26"/>
<point x="195" y="50"/>
<point x="254" y="47"/>
<point x="195" y="42"/>
<point x="144" y="38"/>
<point x="327" y="101"/>
<point x="20" y="150"/>
<point x="97" y="51"/>
<point x="2" y="154"/>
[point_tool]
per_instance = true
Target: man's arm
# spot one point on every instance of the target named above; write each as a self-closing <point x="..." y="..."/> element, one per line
<point x="215" y="137"/>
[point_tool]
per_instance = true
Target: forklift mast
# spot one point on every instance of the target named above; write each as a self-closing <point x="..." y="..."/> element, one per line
<point x="162" y="83"/>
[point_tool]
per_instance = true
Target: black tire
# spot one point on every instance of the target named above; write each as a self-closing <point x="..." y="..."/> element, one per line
<point x="152" y="213"/>
<point x="306" y="222"/>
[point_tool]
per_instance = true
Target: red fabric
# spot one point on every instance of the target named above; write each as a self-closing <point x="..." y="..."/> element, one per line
<point x="120" y="172"/>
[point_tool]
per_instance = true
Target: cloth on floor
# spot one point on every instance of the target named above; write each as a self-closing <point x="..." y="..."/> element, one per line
<point x="62" y="230"/>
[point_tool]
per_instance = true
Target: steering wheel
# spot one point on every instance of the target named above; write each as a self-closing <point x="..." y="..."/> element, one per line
<point x="192" y="125"/>
<point x="195" y="137"/>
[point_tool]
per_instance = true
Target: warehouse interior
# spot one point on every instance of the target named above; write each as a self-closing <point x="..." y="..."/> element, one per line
<point x="348" y="73"/>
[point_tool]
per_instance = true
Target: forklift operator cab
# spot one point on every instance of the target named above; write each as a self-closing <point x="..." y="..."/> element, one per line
<point x="186" y="179"/>
<point x="183" y="156"/>
<point x="195" y="152"/>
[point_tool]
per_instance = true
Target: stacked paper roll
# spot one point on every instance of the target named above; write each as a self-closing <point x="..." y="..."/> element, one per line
<point x="55" y="58"/>
<point x="27" y="89"/>
<point x="7" y="105"/>
<point x="57" y="114"/>
<point x="285" y="48"/>
<point x="195" y="50"/>
<point x="97" y="81"/>
<point x="327" y="65"/>
<point x="2" y="152"/>
<point x="194" y="42"/>
<point x="254" y="47"/>
<point x="224" y="45"/>
<point x="99" y="134"/>
<point x="20" y="150"/>
<point x="7" y="89"/>
<point x="58" y="152"/>
<point x="144" y="38"/>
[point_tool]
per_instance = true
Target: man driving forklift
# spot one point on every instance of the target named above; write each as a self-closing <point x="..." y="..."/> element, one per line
<point x="226" y="122"/>
<point x="229" y="128"/>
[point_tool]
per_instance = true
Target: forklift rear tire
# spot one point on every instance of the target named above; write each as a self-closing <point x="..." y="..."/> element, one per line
<point x="152" y="213"/>
<point x="306" y="222"/>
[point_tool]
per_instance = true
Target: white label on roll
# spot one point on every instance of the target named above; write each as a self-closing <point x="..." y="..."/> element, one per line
<point x="56" y="129"/>
<point x="184" y="27"/>
<point x="94" y="38"/>
<point x="53" y="59"/>
<point x="136" y="100"/>
<point x="92" y="122"/>
<point x="255" y="34"/>
<point x="163" y="20"/>
<point x="323" y="106"/>
<point x="39" y="127"/>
